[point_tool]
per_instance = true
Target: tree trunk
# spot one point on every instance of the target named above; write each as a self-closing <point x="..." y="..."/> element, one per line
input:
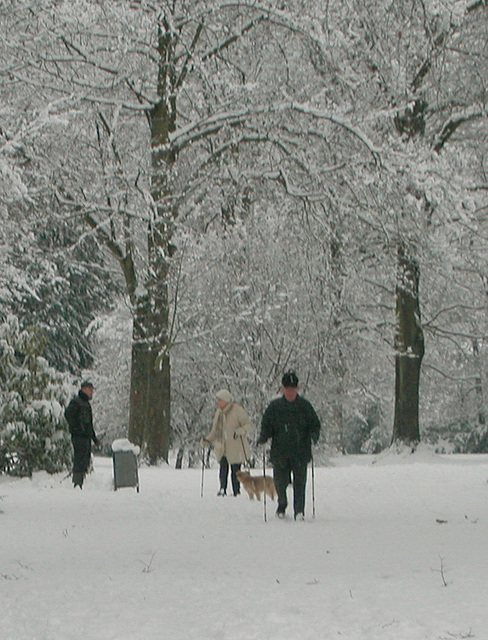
<point x="149" y="424"/>
<point x="409" y="350"/>
<point x="337" y="395"/>
<point x="179" y="458"/>
<point x="478" y="383"/>
<point x="150" y="410"/>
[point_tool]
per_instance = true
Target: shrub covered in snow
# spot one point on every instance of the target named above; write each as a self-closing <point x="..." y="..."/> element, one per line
<point x="33" y="435"/>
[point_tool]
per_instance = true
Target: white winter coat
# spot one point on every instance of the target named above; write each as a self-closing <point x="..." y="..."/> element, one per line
<point x="234" y="446"/>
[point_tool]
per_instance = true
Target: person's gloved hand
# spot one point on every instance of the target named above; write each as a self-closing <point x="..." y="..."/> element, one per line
<point x="239" y="432"/>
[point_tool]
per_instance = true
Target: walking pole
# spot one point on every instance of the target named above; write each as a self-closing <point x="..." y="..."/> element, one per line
<point x="203" y="471"/>
<point x="264" y="481"/>
<point x="313" y="489"/>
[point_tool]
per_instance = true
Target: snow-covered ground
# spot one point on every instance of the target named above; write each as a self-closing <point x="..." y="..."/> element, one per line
<point x="398" y="550"/>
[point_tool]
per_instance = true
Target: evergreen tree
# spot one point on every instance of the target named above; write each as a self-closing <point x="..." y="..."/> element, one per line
<point x="33" y="435"/>
<point x="64" y="285"/>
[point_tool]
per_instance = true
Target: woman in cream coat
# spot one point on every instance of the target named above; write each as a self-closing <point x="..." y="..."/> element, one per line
<point x="230" y="427"/>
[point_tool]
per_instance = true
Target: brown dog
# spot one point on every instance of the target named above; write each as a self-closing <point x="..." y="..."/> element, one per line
<point x="255" y="485"/>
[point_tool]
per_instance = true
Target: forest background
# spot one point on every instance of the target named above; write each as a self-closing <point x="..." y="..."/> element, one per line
<point x="203" y="194"/>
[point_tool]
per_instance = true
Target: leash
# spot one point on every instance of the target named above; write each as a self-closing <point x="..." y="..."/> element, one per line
<point x="247" y="462"/>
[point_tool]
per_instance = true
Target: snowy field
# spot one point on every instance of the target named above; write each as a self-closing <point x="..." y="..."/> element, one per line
<point x="398" y="550"/>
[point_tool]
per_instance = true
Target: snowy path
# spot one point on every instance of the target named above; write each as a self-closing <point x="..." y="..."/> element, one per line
<point x="165" y="563"/>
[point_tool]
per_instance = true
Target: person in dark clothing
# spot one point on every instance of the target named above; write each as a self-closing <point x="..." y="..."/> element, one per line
<point x="80" y="420"/>
<point x="292" y="425"/>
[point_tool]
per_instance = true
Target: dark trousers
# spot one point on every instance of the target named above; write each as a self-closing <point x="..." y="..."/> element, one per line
<point x="287" y="472"/>
<point x="81" y="454"/>
<point x="224" y="473"/>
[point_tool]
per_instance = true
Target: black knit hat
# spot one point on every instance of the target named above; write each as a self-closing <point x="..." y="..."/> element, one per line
<point x="290" y="379"/>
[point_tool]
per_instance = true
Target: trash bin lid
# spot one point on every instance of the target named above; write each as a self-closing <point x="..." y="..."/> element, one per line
<point x="122" y="444"/>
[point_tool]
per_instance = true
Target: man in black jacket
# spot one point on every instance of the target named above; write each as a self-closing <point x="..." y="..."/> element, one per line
<point x="292" y="425"/>
<point x="80" y="419"/>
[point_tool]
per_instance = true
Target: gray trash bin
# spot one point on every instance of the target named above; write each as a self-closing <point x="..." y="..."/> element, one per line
<point x="125" y="467"/>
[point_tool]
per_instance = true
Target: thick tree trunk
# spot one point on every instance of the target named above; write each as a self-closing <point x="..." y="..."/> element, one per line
<point x="409" y="350"/>
<point x="149" y="403"/>
<point x="151" y="374"/>
<point x="149" y="424"/>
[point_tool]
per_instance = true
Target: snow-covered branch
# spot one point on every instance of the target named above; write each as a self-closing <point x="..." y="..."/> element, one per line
<point x="454" y="122"/>
<point x="206" y="126"/>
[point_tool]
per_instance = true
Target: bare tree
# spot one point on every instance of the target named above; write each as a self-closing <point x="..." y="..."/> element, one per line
<point x="190" y="113"/>
<point x="184" y="67"/>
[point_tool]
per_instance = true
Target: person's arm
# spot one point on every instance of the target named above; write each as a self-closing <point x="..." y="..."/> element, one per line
<point x="314" y="427"/>
<point x="95" y="439"/>
<point x="266" y="426"/>
<point x="72" y="415"/>
<point x="245" y="425"/>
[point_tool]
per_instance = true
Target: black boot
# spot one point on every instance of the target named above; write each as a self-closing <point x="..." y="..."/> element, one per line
<point x="78" y="477"/>
<point x="280" y="511"/>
